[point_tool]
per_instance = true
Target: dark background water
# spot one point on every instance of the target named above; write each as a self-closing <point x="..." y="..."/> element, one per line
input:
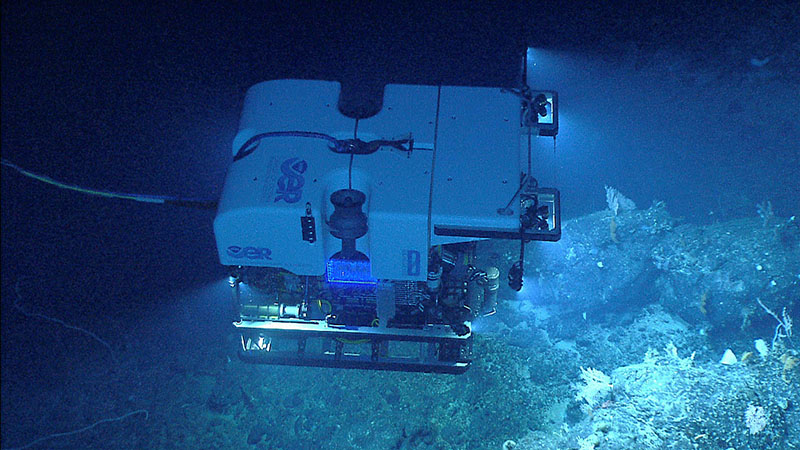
<point x="660" y="101"/>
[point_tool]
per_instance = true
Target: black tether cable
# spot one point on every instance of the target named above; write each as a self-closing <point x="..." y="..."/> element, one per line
<point x="345" y="146"/>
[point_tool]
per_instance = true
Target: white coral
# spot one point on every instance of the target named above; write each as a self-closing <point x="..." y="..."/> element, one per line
<point x="617" y="201"/>
<point x="755" y="418"/>
<point x="598" y="385"/>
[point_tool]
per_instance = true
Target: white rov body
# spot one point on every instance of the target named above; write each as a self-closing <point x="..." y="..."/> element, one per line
<point x="473" y="172"/>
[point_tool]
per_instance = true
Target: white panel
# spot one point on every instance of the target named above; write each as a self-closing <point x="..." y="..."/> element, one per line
<point x="477" y="160"/>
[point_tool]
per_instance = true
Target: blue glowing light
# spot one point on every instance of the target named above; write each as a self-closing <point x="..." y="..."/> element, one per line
<point x="349" y="272"/>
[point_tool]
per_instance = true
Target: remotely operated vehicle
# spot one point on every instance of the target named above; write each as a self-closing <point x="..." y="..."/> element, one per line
<point x="350" y="233"/>
<point x="351" y="240"/>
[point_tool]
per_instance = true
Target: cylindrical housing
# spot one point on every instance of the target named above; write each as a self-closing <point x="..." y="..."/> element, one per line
<point x="290" y="310"/>
<point x="474" y="299"/>
<point x="273" y="310"/>
<point x="435" y="280"/>
<point x="490" y="290"/>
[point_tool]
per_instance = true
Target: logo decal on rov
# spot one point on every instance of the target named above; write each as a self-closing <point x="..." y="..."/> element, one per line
<point x="290" y="184"/>
<point x="412" y="262"/>
<point x="234" y="251"/>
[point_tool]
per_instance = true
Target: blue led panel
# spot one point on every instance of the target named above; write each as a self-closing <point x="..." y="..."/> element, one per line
<point x="352" y="272"/>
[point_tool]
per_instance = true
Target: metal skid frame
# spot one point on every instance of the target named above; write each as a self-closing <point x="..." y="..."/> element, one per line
<point x="297" y="342"/>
